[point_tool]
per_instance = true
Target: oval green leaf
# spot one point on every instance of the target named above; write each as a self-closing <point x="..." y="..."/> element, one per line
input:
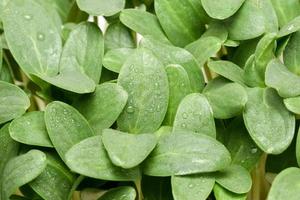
<point x="186" y="153"/>
<point x="286" y="185"/>
<point x="269" y="123"/>
<point x="145" y="109"/>
<point x="195" y="114"/>
<point x="228" y="70"/>
<point x="192" y="187"/>
<point x="179" y="87"/>
<point x="227" y="99"/>
<point x="115" y="58"/>
<point x="66" y="126"/>
<point x="55" y="182"/>
<point x="124" y="193"/>
<point x="223" y="194"/>
<point x="101" y="7"/>
<point x="85" y="54"/>
<point x="30" y="129"/>
<point x="8" y="149"/>
<point x="184" y="25"/>
<point x="127" y="150"/>
<point x="21" y="170"/>
<point x="144" y="23"/>
<point x="284" y="81"/>
<point x="223" y="9"/>
<point x="235" y="179"/>
<point x="291" y="27"/>
<point x="103" y="107"/>
<point x="32" y="37"/>
<point x="90" y="158"/>
<point x="291" y="54"/>
<point x="286" y="10"/>
<point x="247" y="23"/>
<point x="13" y="102"/>
<point x="293" y="104"/>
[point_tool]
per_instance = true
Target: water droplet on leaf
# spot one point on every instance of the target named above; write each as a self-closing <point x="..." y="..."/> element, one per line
<point x="130" y="109"/>
<point x="40" y="36"/>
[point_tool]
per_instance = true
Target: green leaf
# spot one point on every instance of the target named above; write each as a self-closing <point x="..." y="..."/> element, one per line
<point x="223" y="194"/>
<point x="103" y="107"/>
<point x="235" y="179"/>
<point x="118" y="36"/>
<point x="227" y="99"/>
<point x="269" y="13"/>
<point x="290" y="27"/>
<point x="279" y="77"/>
<point x="186" y="153"/>
<point x="1" y="56"/>
<point x="13" y="102"/>
<point x="66" y="126"/>
<point x="124" y="193"/>
<point x="216" y="29"/>
<point x="247" y="23"/>
<point x="179" y="87"/>
<point x="146" y="108"/>
<point x="204" y="48"/>
<point x="269" y="123"/>
<point x="228" y="70"/>
<point x="195" y="114"/>
<point x="55" y="182"/>
<point x="264" y="52"/>
<point x="286" y="10"/>
<point x="168" y="54"/>
<point x="32" y="37"/>
<point x="293" y="104"/>
<point x="8" y="149"/>
<point x="30" y="129"/>
<point x="286" y="185"/>
<point x="251" y="74"/>
<point x="192" y="187"/>
<point x="5" y="74"/>
<point x="84" y="54"/>
<point x="242" y="148"/>
<point x="72" y="80"/>
<point x="127" y="150"/>
<point x="156" y="188"/>
<point x="89" y="158"/>
<point x="102" y="7"/>
<point x="291" y="54"/>
<point x="115" y="58"/>
<point x="21" y="170"/>
<point x="221" y="10"/>
<point x="144" y="23"/>
<point x="184" y="25"/>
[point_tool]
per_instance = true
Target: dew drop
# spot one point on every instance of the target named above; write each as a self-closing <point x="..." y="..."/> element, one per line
<point x="182" y="84"/>
<point x="184" y="115"/>
<point x="183" y="125"/>
<point x="254" y="150"/>
<point x="40" y="36"/>
<point x="28" y="17"/>
<point x="191" y="185"/>
<point x="156" y="84"/>
<point x="130" y="109"/>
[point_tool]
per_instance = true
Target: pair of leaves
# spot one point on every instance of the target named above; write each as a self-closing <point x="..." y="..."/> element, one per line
<point x="27" y="21"/>
<point x="90" y="158"/>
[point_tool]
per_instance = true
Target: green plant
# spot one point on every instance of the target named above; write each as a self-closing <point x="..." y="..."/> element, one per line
<point x="176" y="99"/>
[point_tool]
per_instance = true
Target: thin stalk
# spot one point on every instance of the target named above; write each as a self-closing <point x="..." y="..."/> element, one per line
<point x="138" y="185"/>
